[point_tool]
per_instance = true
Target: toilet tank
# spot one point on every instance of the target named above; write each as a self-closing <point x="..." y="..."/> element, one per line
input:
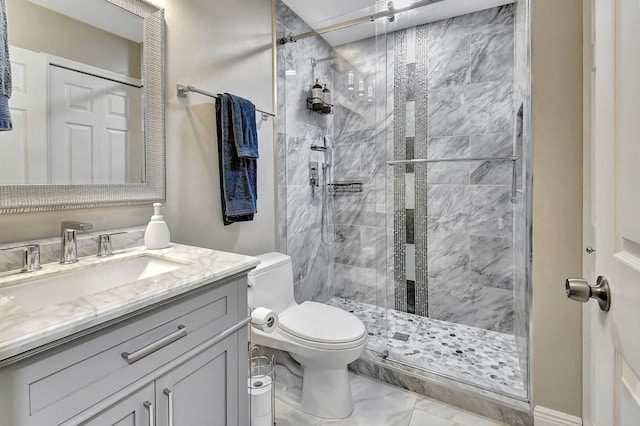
<point x="271" y="282"/>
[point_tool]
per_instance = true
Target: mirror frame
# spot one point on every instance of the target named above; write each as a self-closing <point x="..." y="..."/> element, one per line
<point x="34" y="198"/>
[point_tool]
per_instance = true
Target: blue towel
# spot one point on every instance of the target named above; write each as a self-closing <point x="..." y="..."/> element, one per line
<point x="238" y="190"/>
<point x="5" y="71"/>
<point x="244" y="126"/>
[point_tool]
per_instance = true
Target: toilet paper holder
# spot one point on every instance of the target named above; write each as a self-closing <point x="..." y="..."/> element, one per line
<point x="261" y="388"/>
<point x="264" y="319"/>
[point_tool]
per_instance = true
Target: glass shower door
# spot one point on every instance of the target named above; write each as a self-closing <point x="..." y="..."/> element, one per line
<point x="453" y="215"/>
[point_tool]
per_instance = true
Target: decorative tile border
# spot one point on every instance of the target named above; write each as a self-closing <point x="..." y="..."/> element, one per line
<point x="399" y="152"/>
<point x="420" y="170"/>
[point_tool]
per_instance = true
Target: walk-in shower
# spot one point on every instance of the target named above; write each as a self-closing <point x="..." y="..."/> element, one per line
<point x="430" y="120"/>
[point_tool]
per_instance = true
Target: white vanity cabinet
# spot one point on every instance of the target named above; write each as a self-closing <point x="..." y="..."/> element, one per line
<point x="187" y="366"/>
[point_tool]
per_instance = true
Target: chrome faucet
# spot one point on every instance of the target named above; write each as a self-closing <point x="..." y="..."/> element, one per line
<point x="30" y="257"/>
<point x="69" y="242"/>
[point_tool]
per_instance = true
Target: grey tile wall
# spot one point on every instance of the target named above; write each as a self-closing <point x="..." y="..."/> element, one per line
<point x="469" y="215"/>
<point x="299" y="205"/>
<point x="471" y="225"/>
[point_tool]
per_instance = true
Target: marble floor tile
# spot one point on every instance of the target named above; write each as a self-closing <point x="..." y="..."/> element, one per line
<point x="433" y="413"/>
<point x="289" y="416"/>
<point x="422" y="418"/>
<point x="375" y="404"/>
<point x="379" y="404"/>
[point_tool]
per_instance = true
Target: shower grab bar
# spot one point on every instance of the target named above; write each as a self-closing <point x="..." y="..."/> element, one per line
<point x="513" y="159"/>
<point x="450" y="160"/>
<point x="183" y="90"/>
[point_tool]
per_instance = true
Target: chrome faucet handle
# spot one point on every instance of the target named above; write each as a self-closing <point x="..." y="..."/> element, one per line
<point x="68" y="246"/>
<point x="30" y="257"/>
<point x="68" y="240"/>
<point x="104" y="243"/>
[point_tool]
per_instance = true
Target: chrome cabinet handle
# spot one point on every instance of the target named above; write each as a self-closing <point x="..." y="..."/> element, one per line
<point x="578" y="289"/>
<point x="152" y="419"/>
<point x="170" y="401"/>
<point x="158" y="344"/>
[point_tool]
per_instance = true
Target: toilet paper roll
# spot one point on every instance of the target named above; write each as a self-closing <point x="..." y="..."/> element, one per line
<point x="264" y="319"/>
<point x="260" y="395"/>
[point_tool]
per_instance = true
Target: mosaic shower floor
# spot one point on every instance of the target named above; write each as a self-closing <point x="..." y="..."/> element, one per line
<point x="473" y="355"/>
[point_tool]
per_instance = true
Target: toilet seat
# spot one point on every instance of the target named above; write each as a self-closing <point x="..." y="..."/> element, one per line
<point x="322" y="326"/>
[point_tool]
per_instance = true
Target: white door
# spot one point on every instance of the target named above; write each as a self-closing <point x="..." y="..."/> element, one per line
<point x="612" y="358"/>
<point x="94" y="129"/>
<point x="24" y="149"/>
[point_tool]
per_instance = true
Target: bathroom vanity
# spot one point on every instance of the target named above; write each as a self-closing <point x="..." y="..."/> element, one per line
<point x="169" y="347"/>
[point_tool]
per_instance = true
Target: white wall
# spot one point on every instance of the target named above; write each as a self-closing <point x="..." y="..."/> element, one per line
<point x="557" y="202"/>
<point x="218" y="46"/>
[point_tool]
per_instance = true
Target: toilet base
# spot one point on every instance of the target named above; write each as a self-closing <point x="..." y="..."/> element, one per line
<point x="326" y="393"/>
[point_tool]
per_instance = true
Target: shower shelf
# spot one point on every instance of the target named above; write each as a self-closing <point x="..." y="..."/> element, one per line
<point x="319" y="111"/>
<point x="350" y="186"/>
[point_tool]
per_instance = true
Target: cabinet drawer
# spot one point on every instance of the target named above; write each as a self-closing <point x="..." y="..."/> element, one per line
<point x="67" y="379"/>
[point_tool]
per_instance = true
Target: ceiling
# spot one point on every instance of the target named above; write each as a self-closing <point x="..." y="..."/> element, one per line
<point x="100" y="14"/>
<point x="319" y="14"/>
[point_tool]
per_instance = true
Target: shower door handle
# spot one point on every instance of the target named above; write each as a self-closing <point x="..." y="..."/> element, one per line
<point x="578" y="289"/>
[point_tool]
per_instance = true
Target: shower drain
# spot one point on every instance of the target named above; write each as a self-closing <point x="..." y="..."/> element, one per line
<point x="400" y="336"/>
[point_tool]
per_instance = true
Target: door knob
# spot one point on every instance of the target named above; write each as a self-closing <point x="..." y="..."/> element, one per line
<point x="578" y="289"/>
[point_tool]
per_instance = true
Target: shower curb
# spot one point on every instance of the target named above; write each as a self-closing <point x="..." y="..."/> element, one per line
<point x="501" y="408"/>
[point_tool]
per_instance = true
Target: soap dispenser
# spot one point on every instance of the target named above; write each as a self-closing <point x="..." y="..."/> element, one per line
<point x="157" y="234"/>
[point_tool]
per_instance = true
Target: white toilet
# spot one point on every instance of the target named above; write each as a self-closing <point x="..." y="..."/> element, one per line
<point x="322" y="338"/>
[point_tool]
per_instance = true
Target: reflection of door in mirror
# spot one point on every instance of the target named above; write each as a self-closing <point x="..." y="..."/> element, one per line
<point x="97" y="48"/>
<point x="95" y="129"/>
<point x="23" y="157"/>
<point x="94" y="124"/>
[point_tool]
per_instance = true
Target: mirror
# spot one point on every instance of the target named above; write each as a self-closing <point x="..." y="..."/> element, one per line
<point x="87" y="105"/>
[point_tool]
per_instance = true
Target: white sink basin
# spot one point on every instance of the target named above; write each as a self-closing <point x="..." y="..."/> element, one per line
<point x="65" y="286"/>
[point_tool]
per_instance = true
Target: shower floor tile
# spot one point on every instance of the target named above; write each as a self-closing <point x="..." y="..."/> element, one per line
<point x="473" y="355"/>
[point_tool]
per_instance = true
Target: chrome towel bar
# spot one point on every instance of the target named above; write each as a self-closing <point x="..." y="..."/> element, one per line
<point x="183" y="90"/>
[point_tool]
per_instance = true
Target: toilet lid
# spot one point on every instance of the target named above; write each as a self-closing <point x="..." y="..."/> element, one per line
<point x="318" y="322"/>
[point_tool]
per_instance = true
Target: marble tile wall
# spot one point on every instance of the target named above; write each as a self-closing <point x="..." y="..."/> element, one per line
<point x="360" y="154"/>
<point x="470" y="81"/>
<point x="11" y="260"/>
<point x="299" y="204"/>
<point x="471" y="224"/>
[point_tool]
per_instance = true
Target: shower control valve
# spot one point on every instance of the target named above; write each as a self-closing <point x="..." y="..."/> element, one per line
<point x="313" y="173"/>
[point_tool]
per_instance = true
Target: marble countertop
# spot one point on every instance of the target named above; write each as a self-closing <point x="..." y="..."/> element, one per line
<point x="21" y="331"/>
